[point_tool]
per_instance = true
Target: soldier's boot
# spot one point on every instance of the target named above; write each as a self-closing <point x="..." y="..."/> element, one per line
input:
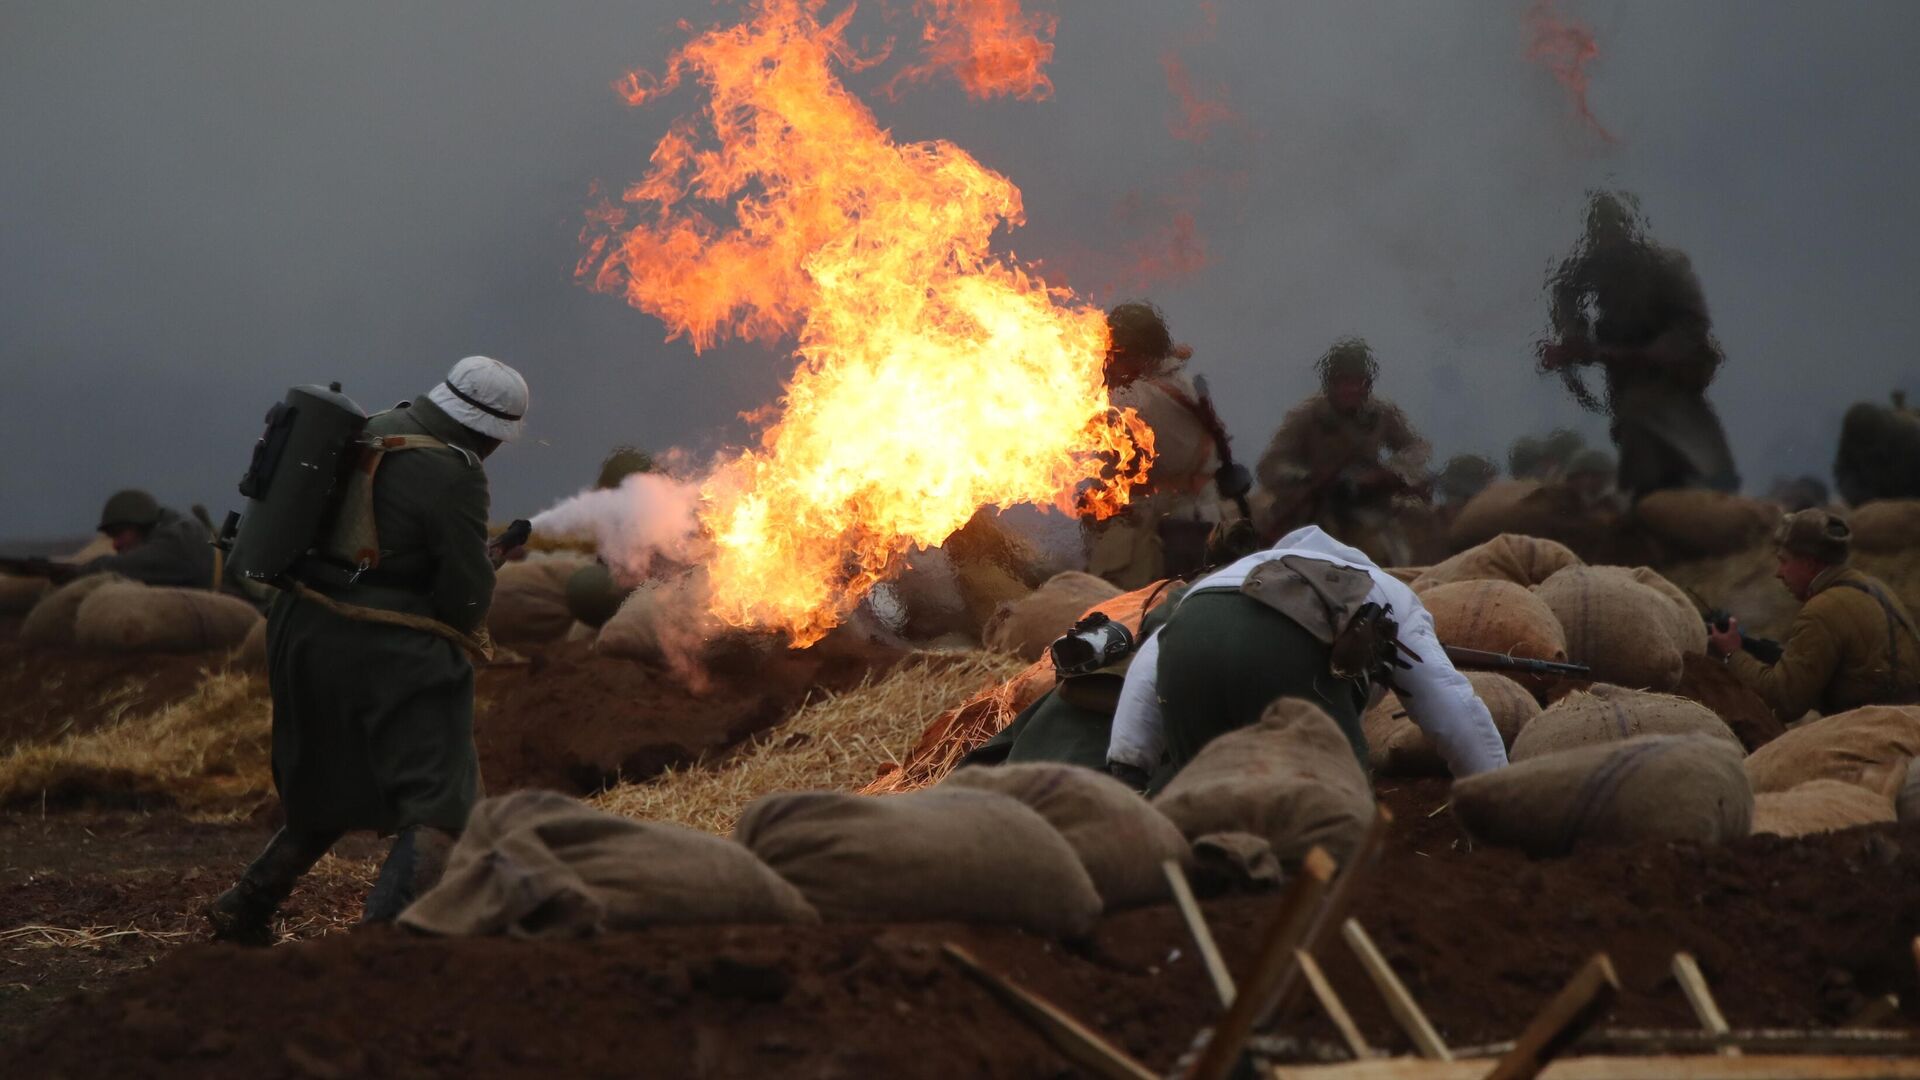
<point x="414" y="864"/>
<point x="243" y="914"/>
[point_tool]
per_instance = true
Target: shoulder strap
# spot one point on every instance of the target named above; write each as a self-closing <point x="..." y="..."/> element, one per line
<point x="1895" y="623"/>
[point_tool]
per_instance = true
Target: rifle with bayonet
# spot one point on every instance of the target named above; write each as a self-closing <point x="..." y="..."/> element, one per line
<point x="1481" y="660"/>
<point x="57" y="572"/>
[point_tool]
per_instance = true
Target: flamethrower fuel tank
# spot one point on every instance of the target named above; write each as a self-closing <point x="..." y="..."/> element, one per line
<point x="294" y="482"/>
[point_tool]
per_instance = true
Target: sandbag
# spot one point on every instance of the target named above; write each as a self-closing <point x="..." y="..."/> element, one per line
<point x="1699" y="522"/>
<point x="664" y="617"/>
<point x="1886" y="526"/>
<point x="1523" y="560"/>
<point x="1907" y="803"/>
<point x="1655" y="787"/>
<point x="1397" y="747"/>
<point x="51" y="620"/>
<point x="1291" y="778"/>
<point x="1818" y="806"/>
<point x="1499" y="508"/>
<point x="539" y="864"/>
<point x="530" y="599"/>
<point x="1497" y="616"/>
<point x="251" y="653"/>
<point x="128" y="617"/>
<point x="1870" y="747"/>
<point x="936" y="854"/>
<point x="1025" y="627"/>
<point x="1608" y="714"/>
<point x="1623" y="630"/>
<point x="1744" y="584"/>
<point x="1120" y="838"/>
<point x="19" y="594"/>
<point x="1685" y="622"/>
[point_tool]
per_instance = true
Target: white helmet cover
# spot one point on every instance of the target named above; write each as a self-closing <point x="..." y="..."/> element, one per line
<point x="484" y="395"/>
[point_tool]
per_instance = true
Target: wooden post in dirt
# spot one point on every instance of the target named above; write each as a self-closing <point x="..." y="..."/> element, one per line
<point x="1339" y="900"/>
<point x="1405" y="1010"/>
<point x="1572" y="1011"/>
<point x="1705" y="1009"/>
<point x="1331" y="1004"/>
<point x="1083" y="1046"/>
<point x="1284" y="935"/>
<point x="1197" y="926"/>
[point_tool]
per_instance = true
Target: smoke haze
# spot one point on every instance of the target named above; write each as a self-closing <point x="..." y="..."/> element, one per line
<point x="649" y="516"/>
<point x="202" y="204"/>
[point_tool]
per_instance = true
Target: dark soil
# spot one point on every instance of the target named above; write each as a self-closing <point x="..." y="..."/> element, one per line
<point x="1789" y="932"/>
<point x="574" y="721"/>
<point x="47" y="693"/>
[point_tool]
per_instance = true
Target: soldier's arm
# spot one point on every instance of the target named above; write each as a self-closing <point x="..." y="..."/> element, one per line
<point x="1139" y="731"/>
<point x="1808" y="660"/>
<point x="1285" y="461"/>
<point x="159" y="561"/>
<point x="462" y="574"/>
<point x="1407" y="452"/>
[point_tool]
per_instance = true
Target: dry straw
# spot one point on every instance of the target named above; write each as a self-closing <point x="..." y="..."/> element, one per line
<point x="208" y="754"/>
<point x="837" y="742"/>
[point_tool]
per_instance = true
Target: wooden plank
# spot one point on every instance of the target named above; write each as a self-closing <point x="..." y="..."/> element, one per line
<point x="1567" y="1017"/>
<point x="1339" y="901"/>
<point x="1331" y="1004"/>
<point x="1283" y="936"/>
<point x="1197" y="927"/>
<point x="1668" y="1067"/>
<point x="1400" y="1003"/>
<point x="1765" y="1041"/>
<point x="1080" y="1044"/>
<point x="1705" y="1009"/>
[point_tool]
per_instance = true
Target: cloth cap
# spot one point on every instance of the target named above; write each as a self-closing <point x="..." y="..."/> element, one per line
<point x="484" y="395"/>
<point x="129" y="507"/>
<point x="1816" y="533"/>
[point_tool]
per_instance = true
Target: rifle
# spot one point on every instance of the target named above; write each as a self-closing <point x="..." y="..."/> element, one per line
<point x="1481" y="660"/>
<point x="57" y="572"/>
<point x="1765" y="650"/>
<point x="1223" y="446"/>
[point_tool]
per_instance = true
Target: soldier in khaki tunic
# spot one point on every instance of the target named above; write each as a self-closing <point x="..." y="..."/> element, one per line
<point x="1342" y="456"/>
<point x="1852" y="644"/>
<point x="373" y="722"/>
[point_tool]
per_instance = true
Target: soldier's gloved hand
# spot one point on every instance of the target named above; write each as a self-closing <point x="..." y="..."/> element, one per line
<point x="1133" y="776"/>
<point x="1233" y="480"/>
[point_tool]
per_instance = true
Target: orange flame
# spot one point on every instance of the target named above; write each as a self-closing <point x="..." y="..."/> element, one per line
<point x="934" y="378"/>
<point x="1565" y="47"/>
<point x="991" y="46"/>
<point x="1199" y="114"/>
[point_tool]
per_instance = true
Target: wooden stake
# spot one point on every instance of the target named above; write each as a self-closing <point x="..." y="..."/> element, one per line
<point x="1284" y="935"/>
<point x="1400" y="1003"/>
<point x="1197" y="926"/>
<point x="1572" y="1011"/>
<point x="1080" y="1044"/>
<point x="1705" y="1009"/>
<point x="1330" y="1002"/>
<point x="1339" y="900"/>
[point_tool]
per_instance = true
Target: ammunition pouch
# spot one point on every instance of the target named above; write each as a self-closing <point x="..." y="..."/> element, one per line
<point x="1330" y="602"/>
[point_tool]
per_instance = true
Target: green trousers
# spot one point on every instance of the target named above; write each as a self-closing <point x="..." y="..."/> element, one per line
<point x="1224" y="657"/>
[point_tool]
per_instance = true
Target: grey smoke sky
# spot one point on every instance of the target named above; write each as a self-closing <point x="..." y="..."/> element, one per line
<point x="203" y="203"/>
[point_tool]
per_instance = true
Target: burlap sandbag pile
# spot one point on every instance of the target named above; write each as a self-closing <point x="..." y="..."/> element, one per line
<point x="251" y="653"/>
<point x="1886" y="526"/>
<point x="946" y="853"/>
<point x="1523" y="560"/>
<point x="129" y="617"/>
<point x="1397" y="747"/>
<point x="1291" y="779"/>
<point x="1655" y="787"/>
<point x="1627" y="632"/>
<point x="1699" y="523"/>
<point x="1871" y="747"/>
<point x="1907" y="803"/>
<point x="1120" y="838"/>
<point x="51" y="620"/>
<point x="1025" y="627"/>
<point x="1818" y="806"/>
<point x="530" y="599"/>
<point x="662" y="618"/>
<point x="1745" y="584"/>
<point x="1497" y="616"/>
<point x="538" y="864"/>
<point x="1611" y="714"/>
<point x="1501" y="507"/>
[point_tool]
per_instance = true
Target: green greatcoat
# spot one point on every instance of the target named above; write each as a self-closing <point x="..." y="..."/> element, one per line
<point x="373" y="724"/>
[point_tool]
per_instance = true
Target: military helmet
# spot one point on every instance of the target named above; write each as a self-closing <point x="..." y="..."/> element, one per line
<point x="1613" y="216"/>
<point x="1524" y="456"/>
<point x="1466" y="475"/>
<point x="1348" y="357"/>
<point x="622" y="463"/>
<point x="1139" y="333"/>
<point x="485" y="396"/>
<point x="130" y="507"/>
<point x="1561" y="446"/>
<point x="1816" y="533"/>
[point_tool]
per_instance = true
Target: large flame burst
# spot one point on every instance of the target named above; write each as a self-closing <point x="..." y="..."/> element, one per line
<point x="933" y="376"/>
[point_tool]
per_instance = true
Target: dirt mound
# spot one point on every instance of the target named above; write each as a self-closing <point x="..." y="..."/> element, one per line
<point x="575" y="721"/>
<point x="1791" y="932"/>
<point x="47" y="693"/>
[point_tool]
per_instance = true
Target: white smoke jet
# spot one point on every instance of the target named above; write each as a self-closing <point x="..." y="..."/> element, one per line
<point x="648" y="516"/>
